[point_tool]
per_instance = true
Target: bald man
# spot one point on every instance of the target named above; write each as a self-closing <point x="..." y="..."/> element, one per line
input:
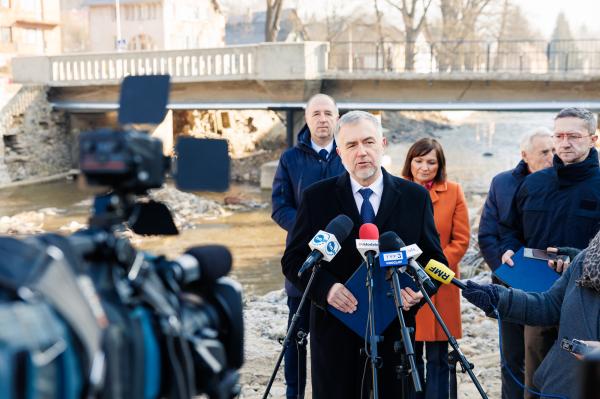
<point x="312" y="159"/>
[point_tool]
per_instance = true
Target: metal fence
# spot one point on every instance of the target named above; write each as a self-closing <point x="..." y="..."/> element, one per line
<point x="510" y="56"/>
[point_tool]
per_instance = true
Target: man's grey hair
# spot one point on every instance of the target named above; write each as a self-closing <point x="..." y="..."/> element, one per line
<point x="527" y="138"/>
<point x="582" y="114"/>
<point x="353" y="117"/>
<point x="337" y="111"/>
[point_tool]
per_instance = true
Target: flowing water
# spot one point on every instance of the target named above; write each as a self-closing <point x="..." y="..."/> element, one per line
<point x="481" y="145"/>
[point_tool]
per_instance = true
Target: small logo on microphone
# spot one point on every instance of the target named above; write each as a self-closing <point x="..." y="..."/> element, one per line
<point x="331" y="248"/>
<point x="325" y="243"/>
<point x="321" y="237"/>
<point x="440" y="273"/>
<point x="396" y="258"/>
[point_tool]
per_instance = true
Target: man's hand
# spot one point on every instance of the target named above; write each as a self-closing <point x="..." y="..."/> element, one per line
<point x="410" y="298"/>
<point x="560" y="265"/>
<point x="506" y="257"/>
<point x="340" y="298"/>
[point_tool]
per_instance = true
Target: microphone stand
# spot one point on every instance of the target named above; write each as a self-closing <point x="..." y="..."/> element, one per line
<point x="409" y="351"/>
<point x="291" y="330"/>
<point x="373" y="337"/>
<point x="456" y="354"/>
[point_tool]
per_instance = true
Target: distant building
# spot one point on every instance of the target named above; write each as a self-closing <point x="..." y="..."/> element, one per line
<point x="156" y="24"/>
<point x="28" y="27"/>
<point x="250" y="28"/>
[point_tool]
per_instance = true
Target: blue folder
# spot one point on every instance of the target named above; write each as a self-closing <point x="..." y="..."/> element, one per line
<point x="527" y="274"/>
<point x="384" y="306"/>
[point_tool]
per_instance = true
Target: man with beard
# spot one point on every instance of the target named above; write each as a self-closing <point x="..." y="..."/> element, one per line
<point x="313" y="158"/>
<point x="367" y="194"/>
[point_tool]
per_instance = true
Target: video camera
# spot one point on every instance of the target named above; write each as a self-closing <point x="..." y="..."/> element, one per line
<point x="89" y="315"/>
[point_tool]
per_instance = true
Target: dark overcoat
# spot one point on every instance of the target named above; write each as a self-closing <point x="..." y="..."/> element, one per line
<point x="337" y="365"/>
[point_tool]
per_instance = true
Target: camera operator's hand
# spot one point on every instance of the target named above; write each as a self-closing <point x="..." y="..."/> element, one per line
<point x="341" y="298"/>
<point x="485" y="297"/>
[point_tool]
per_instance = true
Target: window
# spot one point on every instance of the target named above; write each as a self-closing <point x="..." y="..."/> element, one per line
<point x="5" y="34"/>
<point x="33" y="36"/>
<point x="32" y="6"/>
<point x="5" y="3"/>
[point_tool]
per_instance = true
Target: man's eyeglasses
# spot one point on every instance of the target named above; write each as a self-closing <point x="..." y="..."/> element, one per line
<point x="569" y="136"/>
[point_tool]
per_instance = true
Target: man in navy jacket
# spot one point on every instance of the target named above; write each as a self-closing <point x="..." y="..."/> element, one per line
<point x="556" y="207"/>
<point x="312" y="159"/>
<point x="536" y="153"/>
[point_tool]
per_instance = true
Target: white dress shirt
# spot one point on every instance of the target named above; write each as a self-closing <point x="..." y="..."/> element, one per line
<point x="318" y="148"/>
<point x="374" y="199"/>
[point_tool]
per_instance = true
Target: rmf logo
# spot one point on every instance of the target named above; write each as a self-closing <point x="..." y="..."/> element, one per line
<point x="438" y="272"/>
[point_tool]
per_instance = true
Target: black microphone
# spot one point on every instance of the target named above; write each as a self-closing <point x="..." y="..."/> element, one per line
<point x="389" y="241"/>
<point x="203" y="265"/>
<point x="326" y="244"/>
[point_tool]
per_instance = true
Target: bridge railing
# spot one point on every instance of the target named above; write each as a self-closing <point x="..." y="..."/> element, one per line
<point x="507" y="56"/>
<point x="302" y="60"/>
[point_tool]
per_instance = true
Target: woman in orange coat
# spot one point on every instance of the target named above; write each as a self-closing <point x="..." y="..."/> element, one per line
<point x="426" y="165"/>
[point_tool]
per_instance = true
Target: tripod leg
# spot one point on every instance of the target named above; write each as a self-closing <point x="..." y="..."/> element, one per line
<point x="452" y="363"/>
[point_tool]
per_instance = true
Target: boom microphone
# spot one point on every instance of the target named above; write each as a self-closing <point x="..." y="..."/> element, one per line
<point x="443" y="274"/>
<point x="326" y="244"/>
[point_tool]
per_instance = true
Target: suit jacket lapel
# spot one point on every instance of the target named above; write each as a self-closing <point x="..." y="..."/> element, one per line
<point x="389" y="198"/>
<point x="346" y="198"/>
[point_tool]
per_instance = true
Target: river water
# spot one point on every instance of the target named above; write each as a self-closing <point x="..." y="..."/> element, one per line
<point x="478" y="147"/>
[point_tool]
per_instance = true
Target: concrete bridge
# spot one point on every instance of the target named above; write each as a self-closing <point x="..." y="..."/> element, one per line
<point x="284" y="75"/>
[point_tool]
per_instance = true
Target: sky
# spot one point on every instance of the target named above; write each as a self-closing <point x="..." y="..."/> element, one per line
<point x="541" y="13"/>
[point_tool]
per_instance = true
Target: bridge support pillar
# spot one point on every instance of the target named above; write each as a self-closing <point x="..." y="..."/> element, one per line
<point x="164" y="131"/>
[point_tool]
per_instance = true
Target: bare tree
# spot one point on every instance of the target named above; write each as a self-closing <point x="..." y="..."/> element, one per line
<point x="413" y="23"/>
<point x="272" y="20"/>
<point x="381" y="44"/>
<point x="459" y="22"/>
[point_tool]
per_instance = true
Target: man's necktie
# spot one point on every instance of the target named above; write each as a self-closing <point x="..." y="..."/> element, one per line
<point x="367" y="213"/>
<point x="323" y="154"/>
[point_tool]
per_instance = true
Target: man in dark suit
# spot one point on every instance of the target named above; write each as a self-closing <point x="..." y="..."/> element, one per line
<point x="367" y="194"/>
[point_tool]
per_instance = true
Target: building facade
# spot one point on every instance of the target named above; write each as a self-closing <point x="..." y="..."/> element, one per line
<point x="156" y="24"/>
<point x="28" y="27"/>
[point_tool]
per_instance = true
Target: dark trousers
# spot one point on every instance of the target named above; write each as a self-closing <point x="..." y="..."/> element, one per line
<point x="538" y="341"/>
<point x="295" y="355"/>
<point x="513" y="352"/>
<point x="436" y="380"/>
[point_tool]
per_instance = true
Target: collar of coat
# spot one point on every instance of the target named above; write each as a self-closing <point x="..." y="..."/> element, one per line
<point x="437" y="187"/>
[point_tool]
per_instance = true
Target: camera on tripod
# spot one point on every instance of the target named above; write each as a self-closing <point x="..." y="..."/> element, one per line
<point x="91" y="316"/>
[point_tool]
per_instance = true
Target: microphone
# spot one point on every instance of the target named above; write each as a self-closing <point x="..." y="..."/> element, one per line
<point x="406" y="256"/>
<point x="368" y="242"/>
<point x="443" y="274"/>
<point x="326" y="244"/>
<point x="203" y="264"/>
